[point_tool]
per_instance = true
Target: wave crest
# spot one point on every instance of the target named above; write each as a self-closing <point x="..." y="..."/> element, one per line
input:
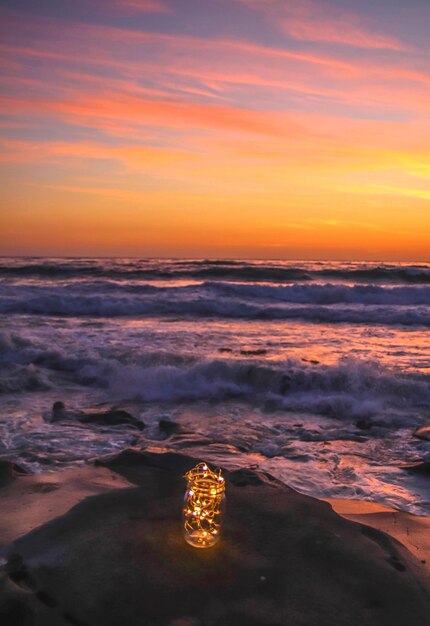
<point x="349" y="389"/>
<point x="248" y="271"/>
<point x="192" y="303"/>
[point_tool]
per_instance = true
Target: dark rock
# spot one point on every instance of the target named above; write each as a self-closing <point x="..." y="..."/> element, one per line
<point x="133" y="464"/>
<point x="284" y="558"/>
<point x="15" y="613"/>
<point x="112" y="417"/>
<point x="42" y="596"/>
<point x="246" y="477"/>
<point x="60" y="413"/>
<point x="423" y="432"/>
<point x="168" y="427"/>
<point x="395" y="562"/>
<point x="256" y="352"/>
<point x="126" y="458"/>
<point x="9" y="471"/>
<point x="422" y="467"/>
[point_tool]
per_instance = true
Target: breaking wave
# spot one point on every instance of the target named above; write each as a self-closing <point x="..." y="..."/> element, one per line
<point x="315" y="303"/>
<point x="212" y="269"/>
<point x="351" y="388"/>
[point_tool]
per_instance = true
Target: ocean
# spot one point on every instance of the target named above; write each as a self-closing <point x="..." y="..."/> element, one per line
<point x="317" y="372"/>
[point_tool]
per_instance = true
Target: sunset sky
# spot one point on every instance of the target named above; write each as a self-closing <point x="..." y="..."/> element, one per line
<point x="218" y="128"/>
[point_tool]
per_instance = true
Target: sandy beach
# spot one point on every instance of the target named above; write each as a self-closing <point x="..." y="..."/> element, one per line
<point x="284" y="557"/>
<point x="412" y="531"/>
<point x="28" y="501"/>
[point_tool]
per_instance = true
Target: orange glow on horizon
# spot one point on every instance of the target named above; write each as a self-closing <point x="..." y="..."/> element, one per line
<point x="123" y="136"/>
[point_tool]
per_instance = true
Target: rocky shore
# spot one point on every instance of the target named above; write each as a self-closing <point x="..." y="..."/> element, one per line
<point x="103" y="546"/>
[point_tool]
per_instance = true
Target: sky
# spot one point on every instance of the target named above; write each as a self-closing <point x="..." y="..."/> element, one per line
<point x="218" y="128"/>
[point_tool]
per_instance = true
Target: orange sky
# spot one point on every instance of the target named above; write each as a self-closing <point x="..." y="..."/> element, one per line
<point x="249" y="128"/>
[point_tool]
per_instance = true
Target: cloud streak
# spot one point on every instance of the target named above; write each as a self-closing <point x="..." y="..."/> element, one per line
<point x="319" y="21"/>
<point x="146" y="6"/>
<point x="261" y="119"/>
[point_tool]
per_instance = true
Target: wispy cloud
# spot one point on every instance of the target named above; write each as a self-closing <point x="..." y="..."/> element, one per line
<point x="144" y="6"/>
<point x="126" y="8"/>
<point x="325" y="128"/>
<point x="212" y="68"/>
<point x="320" y="21"/>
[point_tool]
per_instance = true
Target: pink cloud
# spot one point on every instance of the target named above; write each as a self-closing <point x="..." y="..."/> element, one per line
<point x="220" y="67"/>
<point x="308" y="20"/>
<point x="144" y="6"/>
<point x="92" y="109"/>
<point x="200" y="85"/>
<point x="337" y="30"/>
<point x="128" y="50"/>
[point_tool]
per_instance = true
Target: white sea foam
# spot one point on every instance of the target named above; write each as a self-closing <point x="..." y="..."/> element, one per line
<point x="348" y="389"/>
<point x="319" y="372"/>
<point x="316" y="303"/>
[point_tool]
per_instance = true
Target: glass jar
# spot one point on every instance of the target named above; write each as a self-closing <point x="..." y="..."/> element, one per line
<point x="204" y="506"/>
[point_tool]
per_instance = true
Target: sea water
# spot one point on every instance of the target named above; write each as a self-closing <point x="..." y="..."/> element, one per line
<point x="317" y="372"/>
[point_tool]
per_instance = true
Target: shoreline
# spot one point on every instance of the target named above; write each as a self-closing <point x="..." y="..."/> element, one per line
<point x="31" y="500"/>
<point x="412" y="531"/>
<point x="111" y="535"/>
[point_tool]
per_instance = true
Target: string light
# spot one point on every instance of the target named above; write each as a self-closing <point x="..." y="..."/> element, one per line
<point x="203" y="506"/>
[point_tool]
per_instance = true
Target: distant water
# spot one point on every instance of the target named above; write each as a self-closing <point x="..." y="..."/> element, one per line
<point x="317" y="372"/>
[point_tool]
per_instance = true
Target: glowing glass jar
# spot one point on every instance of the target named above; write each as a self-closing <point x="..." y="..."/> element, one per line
<point x="204" y="505"/>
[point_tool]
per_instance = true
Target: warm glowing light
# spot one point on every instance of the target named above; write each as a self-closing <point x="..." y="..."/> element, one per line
<point x="203" y="506"/>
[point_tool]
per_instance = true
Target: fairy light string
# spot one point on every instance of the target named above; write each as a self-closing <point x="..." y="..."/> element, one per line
<point x="203" y="506"/>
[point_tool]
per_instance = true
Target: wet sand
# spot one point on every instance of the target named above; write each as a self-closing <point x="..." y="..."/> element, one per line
<point x="31" y="500"/>
<point x="411" y="530"/>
